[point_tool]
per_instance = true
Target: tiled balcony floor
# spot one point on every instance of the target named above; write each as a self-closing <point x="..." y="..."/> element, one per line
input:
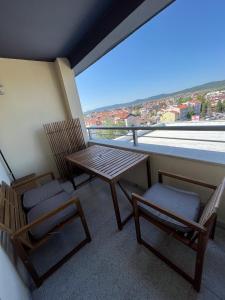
<point x="114" y="266"/>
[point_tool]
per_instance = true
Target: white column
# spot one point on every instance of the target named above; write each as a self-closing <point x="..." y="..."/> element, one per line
<point x="70" y="92"/>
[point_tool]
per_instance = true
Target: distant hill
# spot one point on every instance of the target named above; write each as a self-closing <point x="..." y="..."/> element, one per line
<point x="206" y="86"/>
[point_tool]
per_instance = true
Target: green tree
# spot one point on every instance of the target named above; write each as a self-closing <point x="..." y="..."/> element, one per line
<point x="110" y="134"/>
<point x="219" y="106"/>
<point x="201" y="98"/>
<point x="209" y="108"/>
<point x="183" y="100"/>
<point x="204" y="109"/>
<point x="190" y="113"/>
<point x="136" y="110"/>
<point x="223" y="105"/>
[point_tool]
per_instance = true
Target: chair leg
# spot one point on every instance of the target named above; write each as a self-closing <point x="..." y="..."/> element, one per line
<point x="202" y="242"/>
<point x="212" y="234"/>
<point x="24" y="257"/>
<point x="38" y="280"/>
<point x="83" y="221"/>
<point x="137" y="222"/>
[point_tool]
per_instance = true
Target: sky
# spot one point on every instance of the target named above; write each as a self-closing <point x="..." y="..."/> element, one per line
<point x="181" y="47"/>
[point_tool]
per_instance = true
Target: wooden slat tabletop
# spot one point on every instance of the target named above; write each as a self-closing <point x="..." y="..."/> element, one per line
<point x="106" y="162"/>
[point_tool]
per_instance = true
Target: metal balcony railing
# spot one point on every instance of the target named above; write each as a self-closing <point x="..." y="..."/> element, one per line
<point x="133" y="132"/>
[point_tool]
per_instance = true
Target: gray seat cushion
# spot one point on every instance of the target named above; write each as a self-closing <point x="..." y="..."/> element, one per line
<point x="67" y="187"/>
<point x="45" y="207"/>
<point x="38" y="194"/>
<point x="183" y="203"/>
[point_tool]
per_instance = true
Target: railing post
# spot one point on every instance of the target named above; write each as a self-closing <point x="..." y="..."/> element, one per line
<point x="135" y="137"/>
<point x="89" y="133"/>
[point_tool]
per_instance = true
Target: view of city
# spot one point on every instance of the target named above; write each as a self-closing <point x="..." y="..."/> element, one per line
<point x="203" y="103"/>
<point x="162" y="75"/>
<point x="200" y="105"/>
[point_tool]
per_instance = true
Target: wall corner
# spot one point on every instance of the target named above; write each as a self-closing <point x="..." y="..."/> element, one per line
<point x="69" y="90"/>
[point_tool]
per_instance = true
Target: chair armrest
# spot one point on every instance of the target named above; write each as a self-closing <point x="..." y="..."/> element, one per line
<point x="26" y="228"/>
<point x="5" y="228"/>
<point x="194" y="225"/>
<point x="190" y="180"/>
<point x="36" y="178"/>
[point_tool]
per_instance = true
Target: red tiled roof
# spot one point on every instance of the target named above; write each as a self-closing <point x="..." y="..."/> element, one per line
<point x="182" y="106"/>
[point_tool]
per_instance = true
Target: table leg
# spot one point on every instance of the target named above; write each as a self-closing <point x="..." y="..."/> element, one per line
<point x="148" y="173"/>
<point x="125" y="193"/>
<point x="116" y="205"/>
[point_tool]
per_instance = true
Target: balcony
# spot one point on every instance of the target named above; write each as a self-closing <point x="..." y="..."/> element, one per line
<point x="114" y="266"/>
<point x="197" y="141"/>
<point x="37" y="86"/>
<point x="183" y="150"/>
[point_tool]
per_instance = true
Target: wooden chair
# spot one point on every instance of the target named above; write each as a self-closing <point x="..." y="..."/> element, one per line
<point x="193" y="233"/>
<point x="13" y="220"/>
<point x="65" y="137"/>
<point x="30" y="182"/>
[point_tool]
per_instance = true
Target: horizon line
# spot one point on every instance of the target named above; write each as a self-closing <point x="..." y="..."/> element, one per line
<point x="168" y="93"/>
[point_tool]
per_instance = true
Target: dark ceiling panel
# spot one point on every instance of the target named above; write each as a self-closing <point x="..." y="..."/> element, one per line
<point x="116" y="13"/>
<point x="44" y="30"/>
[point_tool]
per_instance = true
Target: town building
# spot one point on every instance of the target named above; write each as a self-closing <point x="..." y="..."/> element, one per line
<point x="132" y="120"/>
<point x="169" y="116"/>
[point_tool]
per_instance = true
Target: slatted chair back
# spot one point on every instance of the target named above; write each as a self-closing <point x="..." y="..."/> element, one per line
<point x="213" y="203"/>
<point x="12" y="216"/>
<point x="65" y="137"/>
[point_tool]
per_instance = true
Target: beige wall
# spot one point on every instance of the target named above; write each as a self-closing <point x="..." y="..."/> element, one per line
<point x="33" y="96"/>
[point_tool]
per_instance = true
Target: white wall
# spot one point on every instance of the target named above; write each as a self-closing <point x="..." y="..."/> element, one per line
<point x="33" y="96"/>
<point x="11" y="285"/>
<point x="3" y="173"/>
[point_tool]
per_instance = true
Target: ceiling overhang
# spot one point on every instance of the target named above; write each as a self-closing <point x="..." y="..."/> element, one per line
<point x="82" y="31"/>
<point x="146" y="11"/>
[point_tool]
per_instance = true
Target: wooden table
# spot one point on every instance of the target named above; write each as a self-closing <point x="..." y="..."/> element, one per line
<point x="109" y="164"/>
